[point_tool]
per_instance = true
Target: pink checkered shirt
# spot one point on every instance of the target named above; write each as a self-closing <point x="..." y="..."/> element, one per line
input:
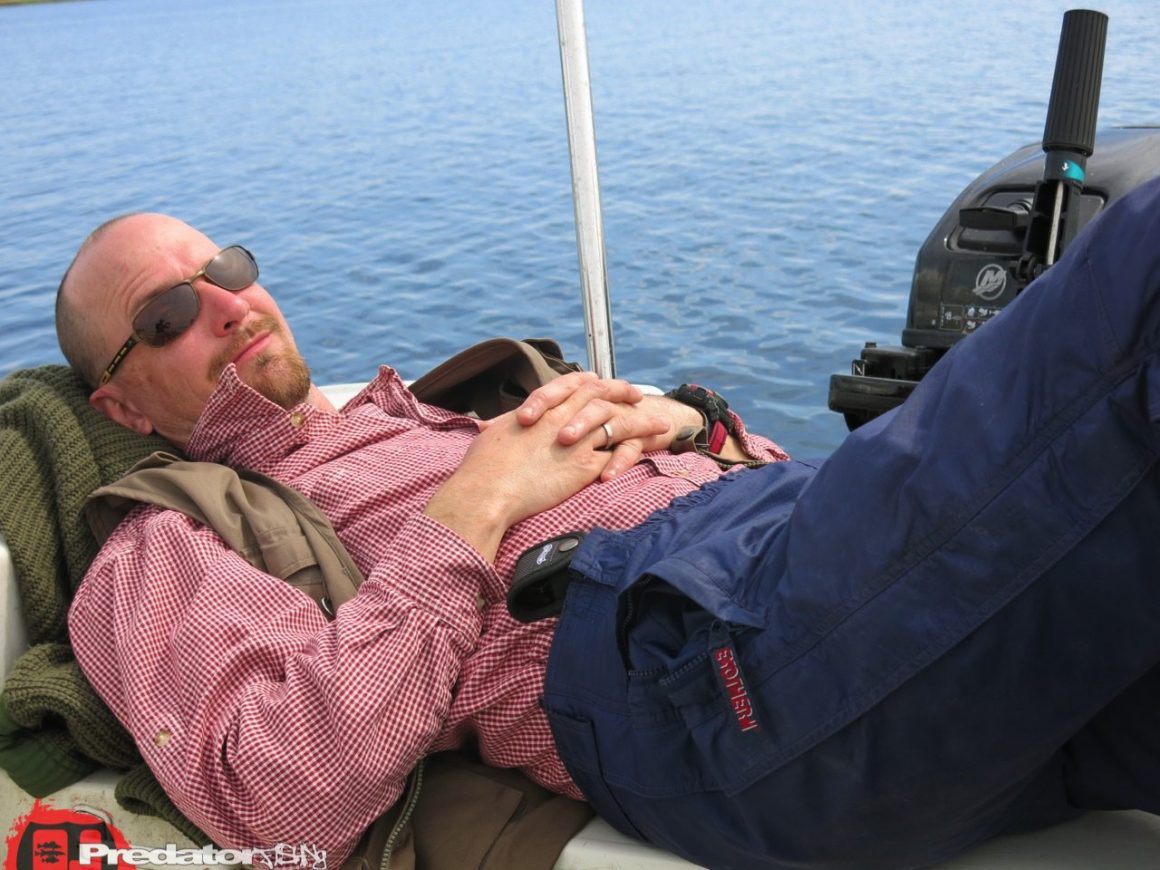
<point x="268" y="724"/>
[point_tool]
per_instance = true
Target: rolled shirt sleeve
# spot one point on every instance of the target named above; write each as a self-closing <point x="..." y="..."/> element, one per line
<point x="756" y="446"/>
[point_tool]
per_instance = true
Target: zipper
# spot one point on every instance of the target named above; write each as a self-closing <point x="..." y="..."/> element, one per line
<point x="412" y="798"/>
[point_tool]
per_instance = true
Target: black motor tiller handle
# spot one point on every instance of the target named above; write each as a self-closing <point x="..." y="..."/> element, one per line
<point x="1075" y="89"/>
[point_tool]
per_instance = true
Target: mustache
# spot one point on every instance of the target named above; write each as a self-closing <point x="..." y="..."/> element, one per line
<point x="245" y="336"/>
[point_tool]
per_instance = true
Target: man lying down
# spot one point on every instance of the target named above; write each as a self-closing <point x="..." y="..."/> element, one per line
<point x="947" y="631"/>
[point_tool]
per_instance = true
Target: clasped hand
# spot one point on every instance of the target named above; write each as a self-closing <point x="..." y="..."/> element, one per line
<point x="551" y="447"/>
<point x="629" y="422"/>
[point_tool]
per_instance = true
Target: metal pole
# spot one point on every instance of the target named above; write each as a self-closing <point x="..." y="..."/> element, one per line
<point x="585" y="186"/>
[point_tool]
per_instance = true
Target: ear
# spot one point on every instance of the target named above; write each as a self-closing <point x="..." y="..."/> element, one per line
<point x="108" y="401"/>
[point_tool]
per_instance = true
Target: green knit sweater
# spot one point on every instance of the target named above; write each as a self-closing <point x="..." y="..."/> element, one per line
<point x="54" y="451"/>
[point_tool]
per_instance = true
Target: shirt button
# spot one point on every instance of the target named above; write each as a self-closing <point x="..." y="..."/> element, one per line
<point x="681" y="472"/>
<point x="297" y="419"/>
<point x="162" y="737"/>
<point x="480" y="603"/>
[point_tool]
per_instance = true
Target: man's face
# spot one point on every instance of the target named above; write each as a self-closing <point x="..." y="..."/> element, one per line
<point x="166" y="388"/>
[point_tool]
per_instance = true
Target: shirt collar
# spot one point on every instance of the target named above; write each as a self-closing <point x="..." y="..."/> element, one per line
<point x="241" y="427"/>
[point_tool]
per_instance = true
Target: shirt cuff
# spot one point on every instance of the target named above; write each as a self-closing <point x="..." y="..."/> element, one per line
<point x="756" y="446"/>
<point x="441" y="572"/>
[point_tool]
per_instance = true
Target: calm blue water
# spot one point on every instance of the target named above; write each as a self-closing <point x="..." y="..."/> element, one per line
<point x="400" y="169"/>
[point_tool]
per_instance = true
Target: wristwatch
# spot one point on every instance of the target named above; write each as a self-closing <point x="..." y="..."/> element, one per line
<point x="718" y="424"/>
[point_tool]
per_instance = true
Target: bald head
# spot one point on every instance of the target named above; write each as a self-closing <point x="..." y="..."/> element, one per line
<point x="136" y="260"/>
<point x="74" y="332"/>
<point x="107" y="265"/>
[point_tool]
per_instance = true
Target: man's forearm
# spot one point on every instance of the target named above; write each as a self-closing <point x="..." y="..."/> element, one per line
<point x="469" y="508"/>
<point x="235" y="712"/>
<point x="680" y="415"/>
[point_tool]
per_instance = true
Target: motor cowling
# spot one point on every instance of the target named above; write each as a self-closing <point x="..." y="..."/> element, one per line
<point x="975" y="262"/>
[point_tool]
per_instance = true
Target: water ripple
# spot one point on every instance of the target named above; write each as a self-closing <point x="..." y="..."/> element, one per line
<point x="402" y="174"/>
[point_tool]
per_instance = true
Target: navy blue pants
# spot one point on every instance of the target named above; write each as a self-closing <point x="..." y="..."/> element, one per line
<point x="947" y="631"/>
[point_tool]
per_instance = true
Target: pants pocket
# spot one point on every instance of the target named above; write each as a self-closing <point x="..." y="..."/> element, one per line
<point x="727" y="723"/>
<point x="687" y="671"/>
<point x="576" y="742"/>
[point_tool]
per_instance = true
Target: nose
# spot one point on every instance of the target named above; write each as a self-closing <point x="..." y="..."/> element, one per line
<point x="225" y="310"/>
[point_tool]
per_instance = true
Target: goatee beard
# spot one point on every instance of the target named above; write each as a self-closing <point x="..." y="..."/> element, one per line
<point x="283" y="378"/>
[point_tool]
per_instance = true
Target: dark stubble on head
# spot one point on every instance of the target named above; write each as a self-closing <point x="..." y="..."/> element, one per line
<point x="283" y="378"/>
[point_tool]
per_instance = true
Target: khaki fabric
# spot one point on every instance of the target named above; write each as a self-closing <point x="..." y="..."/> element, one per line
<point x="271" y="525"/>
<point x="465" y="814"/>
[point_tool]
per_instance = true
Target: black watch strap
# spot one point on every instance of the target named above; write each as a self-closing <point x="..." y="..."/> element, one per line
<point x="715" y="410"/>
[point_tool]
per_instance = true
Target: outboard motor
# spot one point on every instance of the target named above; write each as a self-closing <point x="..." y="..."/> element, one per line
<point x="1008" y="226"/>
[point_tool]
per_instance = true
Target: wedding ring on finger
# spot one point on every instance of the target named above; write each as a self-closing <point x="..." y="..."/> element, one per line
<point x="607" y="427"/>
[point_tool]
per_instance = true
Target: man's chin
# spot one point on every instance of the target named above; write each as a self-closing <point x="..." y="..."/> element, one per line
<point x="283" y="378"/>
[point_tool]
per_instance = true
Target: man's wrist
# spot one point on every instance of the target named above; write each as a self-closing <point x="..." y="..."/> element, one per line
<point x="716" y="420"/>
<point x="692" y="437"/>
<point x="476" y="518"/>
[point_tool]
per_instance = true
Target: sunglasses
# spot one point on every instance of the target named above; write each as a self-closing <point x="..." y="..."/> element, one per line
<point x="171" y="312"/>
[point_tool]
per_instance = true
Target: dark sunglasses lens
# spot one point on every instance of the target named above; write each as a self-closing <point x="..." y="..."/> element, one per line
<point x="167" y="315"/>
<point x="233" y="268"/>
